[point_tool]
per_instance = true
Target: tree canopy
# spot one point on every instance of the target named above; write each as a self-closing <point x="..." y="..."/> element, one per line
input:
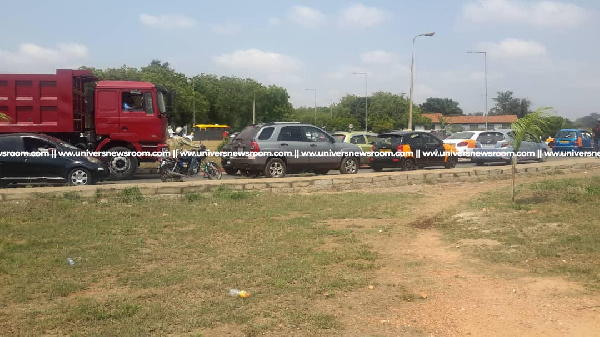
<point x="506" y="104"/>
<point x="386" y="111"/>
<point x="445" y="106"/>
<point x="223" y="100"/>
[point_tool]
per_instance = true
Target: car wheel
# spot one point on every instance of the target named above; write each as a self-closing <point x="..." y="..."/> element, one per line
<point x="349" y="165"/>
<point x="231" y="171"/>
<point x="543" y="157"/>
<point x="321" y="172"/>
<point x="79" y="176"/>
<point x="409" y="164"/>
<point x="450" y="162"/>
<point x="275" y="168"/>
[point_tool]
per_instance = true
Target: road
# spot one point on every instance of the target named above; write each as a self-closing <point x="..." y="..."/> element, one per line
<point x="153" y="178"/>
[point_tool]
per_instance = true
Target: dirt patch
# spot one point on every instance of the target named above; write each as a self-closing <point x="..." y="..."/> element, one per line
<point x="360" y="223"/>
<point x="479" y="242"/>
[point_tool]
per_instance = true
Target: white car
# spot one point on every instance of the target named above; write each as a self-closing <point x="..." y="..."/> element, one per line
<point x="464" y="142"/>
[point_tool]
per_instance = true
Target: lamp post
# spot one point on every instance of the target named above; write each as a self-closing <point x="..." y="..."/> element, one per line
<point x="315" y="90"/>
<point x="191" y="81"/>
<point x="412" y="70"/>
<point x="486" y="86"/>
<point x="366" y="98"/>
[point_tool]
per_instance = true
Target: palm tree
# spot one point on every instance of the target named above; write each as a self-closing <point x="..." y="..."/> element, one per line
<point x="532" y="123"/>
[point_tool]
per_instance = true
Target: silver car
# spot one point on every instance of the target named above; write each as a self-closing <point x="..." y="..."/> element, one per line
<point x="495" y="146"/>
<point x="275" y="149"/>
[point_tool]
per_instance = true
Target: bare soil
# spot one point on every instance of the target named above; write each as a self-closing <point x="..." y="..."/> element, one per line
<point x="432" y="288"/>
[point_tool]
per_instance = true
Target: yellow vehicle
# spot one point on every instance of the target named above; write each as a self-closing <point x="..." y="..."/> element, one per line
<point x="203" y="132"/>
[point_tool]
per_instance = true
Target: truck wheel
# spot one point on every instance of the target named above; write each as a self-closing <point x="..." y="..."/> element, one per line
<point x="122" y="167"/>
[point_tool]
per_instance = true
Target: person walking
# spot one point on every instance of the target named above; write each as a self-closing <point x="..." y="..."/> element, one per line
<point x="596" y="133"/>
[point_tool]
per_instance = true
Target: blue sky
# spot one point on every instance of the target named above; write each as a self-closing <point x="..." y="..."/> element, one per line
<point x="546" y="51"/>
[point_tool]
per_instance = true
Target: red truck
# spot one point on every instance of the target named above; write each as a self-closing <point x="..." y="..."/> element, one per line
<point x="116" y="116"/>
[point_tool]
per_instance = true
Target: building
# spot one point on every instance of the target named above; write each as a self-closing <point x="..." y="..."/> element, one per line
<point x="467" y="123"/>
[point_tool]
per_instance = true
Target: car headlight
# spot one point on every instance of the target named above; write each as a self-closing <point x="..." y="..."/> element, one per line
<point x="94" y="160"/>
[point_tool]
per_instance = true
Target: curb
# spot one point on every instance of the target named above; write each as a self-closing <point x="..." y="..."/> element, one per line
<point x="316" y="183"/>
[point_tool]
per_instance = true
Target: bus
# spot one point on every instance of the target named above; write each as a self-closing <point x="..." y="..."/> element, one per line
<point x="201" y="132"/>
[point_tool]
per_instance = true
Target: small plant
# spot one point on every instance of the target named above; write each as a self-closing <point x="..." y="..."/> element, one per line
<point x="71" y="195"/>
<point x="131" y="195"/>
<point x="191" y="197"/>
<point x="226" y="193"/>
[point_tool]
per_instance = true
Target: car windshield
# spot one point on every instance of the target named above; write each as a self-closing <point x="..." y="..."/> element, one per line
<point x="339" y="138"/>
<point x="388" y="140"/>
<point x="161" y="103"/>
<point x="566" y="134"/>
<point x="461" y="135"/>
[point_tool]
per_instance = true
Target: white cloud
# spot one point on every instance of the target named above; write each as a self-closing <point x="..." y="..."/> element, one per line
<point x="257" y="60"/>
<point x="361" y="16"/>
<point x="167" y="21"/>
<point x="306" y="16"/>
<point x="515" y="49"/>
<point x="537" y="13"/>
<point x="378" y="56"/>
<point x="274" y="21"/>
<point x="226" y="29"/>
<point x="30" y="57"/>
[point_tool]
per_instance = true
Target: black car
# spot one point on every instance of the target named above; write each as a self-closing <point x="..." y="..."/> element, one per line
<point x="34" y="158"/>
<point x="225" y="160"/>
<point x="409" y="150"/>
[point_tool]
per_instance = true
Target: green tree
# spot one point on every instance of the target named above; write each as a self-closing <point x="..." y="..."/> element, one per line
<point x="533" y="123"/>
<point x="445" y="106"/>
<point x="587" y="122"/>
<point x="506" y="104"/>
<point x="554" y="124"/>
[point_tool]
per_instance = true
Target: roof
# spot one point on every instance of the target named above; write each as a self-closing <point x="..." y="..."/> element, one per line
<point x="435" y="118"/>
<point x="125" y="85"/>
<point x="353" y="133"/>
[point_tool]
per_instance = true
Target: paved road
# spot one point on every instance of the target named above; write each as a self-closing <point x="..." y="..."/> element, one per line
<point x="153" y="178"/>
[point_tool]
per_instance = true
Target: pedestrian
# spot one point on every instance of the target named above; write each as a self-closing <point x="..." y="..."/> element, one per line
<point x="596" y="132"/>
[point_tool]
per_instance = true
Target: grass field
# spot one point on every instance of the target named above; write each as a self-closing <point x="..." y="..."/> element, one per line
<point x="554" y="228"/>
<point x="165" y="266"/>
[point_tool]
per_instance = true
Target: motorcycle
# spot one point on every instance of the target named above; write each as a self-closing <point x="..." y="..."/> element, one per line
<point x="186" y="166"/>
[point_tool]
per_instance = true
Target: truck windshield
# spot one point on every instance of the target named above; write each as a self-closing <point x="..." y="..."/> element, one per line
<point x="161" y="103"/>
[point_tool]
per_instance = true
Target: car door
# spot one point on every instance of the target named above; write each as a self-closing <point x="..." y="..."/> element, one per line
<point x="586" y="140"/>
<point x="40" y="163"/>
<point x="417" y="146"/>
<point x="292" y="138"/>
<point x="435" y="147"/>
<point x="529" y="146"/>
<point x="11" y="164"/>
<point x="320" y="144"/>
<point x="361" y="141"/>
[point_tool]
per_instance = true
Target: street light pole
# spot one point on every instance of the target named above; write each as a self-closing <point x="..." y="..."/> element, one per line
<point x="486" y="84"/>
<point x="412" y="71"/>
<point x="315" y="90"/>
<point x="366" y="98"/>
<point x="254" y="110"/>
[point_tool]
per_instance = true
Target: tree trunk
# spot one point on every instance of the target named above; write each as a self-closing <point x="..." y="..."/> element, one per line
<point x="514" y="173"/>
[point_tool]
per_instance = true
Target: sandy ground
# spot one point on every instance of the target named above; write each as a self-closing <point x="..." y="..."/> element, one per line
<point x="430" y="288"/>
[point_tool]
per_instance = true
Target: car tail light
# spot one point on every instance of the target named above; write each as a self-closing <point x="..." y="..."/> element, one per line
<point x="254" y="147"/>
<point x="463" y="143"/>
<point x="471" y="143"/>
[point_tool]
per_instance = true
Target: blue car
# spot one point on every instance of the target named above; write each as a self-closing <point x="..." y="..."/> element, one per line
<point x="495" y="147"/>
<point x="573" y="140"/>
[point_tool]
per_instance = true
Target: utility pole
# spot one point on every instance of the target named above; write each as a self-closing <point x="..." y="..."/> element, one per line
<point x="412" y="70"/>
<point x="486" y="84"/>
<point x="315" y="90"/>
<point x="254" y="110"/>
<point x="366" y="98"/>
